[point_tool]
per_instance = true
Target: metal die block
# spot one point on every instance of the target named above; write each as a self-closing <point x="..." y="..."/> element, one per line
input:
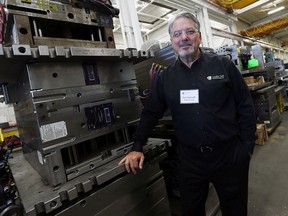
<point x="71" y="34"/>
<point x="117" y="71"/>
<point x="128" y="195"/>
<point x="99" y="163"/>
<point x="157" y="204"/>
<point x="56" y="10"/>
<point x="66" y="42"/>
<point x="52" y="204"/>
<point x="14" y="65"/>
<point x="21" y="50"/>
<point x="76" y="26"/>
<point x="110" y="113"/>
<point x="50" y="166"/>
<point x="55" y="168"/>
<point x="21" y="30"/>
<point x="120" y="192"/>
<point x="108" y="33"/>
<point x="111" y="170"/>
<point x="59" y="98"/>
<point x="46" y="76"/>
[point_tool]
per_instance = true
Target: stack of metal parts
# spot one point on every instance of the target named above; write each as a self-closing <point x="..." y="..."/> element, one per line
<point x="77" y="106"/>
<point x="266" y="110"/>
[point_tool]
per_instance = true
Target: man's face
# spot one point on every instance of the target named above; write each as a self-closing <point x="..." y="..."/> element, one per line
<point x="185" y="38"/>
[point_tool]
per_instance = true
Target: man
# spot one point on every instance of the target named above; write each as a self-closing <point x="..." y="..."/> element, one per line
<point x="213" y="117"/>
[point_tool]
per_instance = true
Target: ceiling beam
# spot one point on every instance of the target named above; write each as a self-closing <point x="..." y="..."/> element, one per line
<point x="223" y="33"/>
<point x="251" y="6"/>
<point x="270" y="18"/>
<point x="281" y="33"/>
<point x="266" y="29"/>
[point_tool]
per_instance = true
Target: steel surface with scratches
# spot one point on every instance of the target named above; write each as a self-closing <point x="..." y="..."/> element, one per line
<point x="77" y="107"/>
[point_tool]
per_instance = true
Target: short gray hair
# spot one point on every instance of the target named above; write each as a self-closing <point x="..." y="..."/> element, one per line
<point x="183" y="15"/>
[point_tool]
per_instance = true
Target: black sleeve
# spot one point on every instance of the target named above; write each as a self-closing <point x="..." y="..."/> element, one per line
<point x="153" y="110"/>
<point x="245" y="108"/>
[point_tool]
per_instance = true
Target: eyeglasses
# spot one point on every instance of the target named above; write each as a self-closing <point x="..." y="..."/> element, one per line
<point x="188" y="32"/>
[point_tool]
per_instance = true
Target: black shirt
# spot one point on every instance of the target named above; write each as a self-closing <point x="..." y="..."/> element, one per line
<point x="225" y="108"/>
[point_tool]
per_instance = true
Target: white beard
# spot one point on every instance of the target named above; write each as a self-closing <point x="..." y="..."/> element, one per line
<point x="187" y="54"/>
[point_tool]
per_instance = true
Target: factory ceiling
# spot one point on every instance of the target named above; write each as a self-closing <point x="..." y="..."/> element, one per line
<point x="153" y="14"/>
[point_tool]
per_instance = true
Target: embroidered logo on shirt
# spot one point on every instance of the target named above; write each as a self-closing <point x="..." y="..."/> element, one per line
<point x="216" y="77"/>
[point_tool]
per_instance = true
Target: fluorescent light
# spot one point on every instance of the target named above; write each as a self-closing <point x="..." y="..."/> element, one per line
<point x="144" y="30"/>
<point x="276" y="10"/>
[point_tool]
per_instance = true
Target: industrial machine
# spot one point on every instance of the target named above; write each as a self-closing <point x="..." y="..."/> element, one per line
<point x="77" y="106"/>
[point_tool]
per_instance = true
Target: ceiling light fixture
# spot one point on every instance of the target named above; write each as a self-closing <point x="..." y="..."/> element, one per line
<point x="276" y="10"/>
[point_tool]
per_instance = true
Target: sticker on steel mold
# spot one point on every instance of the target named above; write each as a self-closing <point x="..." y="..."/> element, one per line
<point x="53" y="131"/>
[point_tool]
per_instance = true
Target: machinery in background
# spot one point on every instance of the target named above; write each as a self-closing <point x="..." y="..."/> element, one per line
<point x="261" y="79"/>
<point x="230" y="52"/>
<point x="77" y="106"/>
<point x="9" y="200"/>
<point x="269" y="55"/>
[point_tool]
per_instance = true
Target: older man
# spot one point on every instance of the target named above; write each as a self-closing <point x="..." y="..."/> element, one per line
<point x="214" y="120"/>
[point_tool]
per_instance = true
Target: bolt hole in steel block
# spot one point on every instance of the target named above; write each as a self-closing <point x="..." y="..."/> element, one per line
<point x="76" y="172"/>
<point x="79" y="95"/>
<point x="55" y="75"/>
<point x="56" y="169"/>
<point x="110" y="39"/>
<point x="22" y="49"/>
<point x="23" y="31"/>
<point x="91" y="166"/>
<point x="71" y="16"/>
<point x="53" y="204"/>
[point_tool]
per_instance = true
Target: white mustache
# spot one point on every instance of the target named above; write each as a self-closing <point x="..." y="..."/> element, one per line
<point x="185" y="44"/>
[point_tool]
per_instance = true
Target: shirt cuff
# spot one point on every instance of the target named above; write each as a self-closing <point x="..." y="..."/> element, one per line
<point x="137" y="147"/>
<point x="249" y="146"/>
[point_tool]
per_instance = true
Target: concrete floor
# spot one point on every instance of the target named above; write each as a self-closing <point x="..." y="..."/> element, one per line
<point x="268" y="178"/>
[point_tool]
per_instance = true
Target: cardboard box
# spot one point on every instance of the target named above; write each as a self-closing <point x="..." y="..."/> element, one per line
<point x="261" y="134"/>
<point x="249" y="80"/>
<point x="252" y="82"/>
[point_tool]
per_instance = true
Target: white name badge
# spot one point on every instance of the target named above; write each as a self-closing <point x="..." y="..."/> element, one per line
<point x="189" y="96"/>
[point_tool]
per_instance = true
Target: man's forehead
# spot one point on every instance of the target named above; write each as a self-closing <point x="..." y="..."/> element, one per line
<point x="181" y="22"/>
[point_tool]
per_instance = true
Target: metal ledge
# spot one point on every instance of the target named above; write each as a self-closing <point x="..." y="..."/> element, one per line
<point x="14" y="58"/>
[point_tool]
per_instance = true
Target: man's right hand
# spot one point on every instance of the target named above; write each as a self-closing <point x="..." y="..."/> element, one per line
<point x="133" y="160"/>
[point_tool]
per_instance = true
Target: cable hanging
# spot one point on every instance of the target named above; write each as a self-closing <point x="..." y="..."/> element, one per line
<point x="154" y="73"/>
